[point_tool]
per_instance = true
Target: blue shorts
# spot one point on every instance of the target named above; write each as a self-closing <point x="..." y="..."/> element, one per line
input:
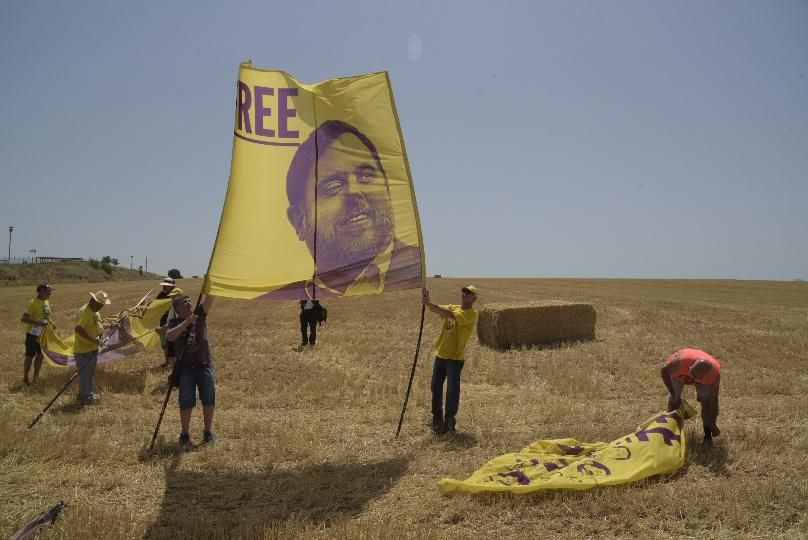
<point x="191" y="378"/>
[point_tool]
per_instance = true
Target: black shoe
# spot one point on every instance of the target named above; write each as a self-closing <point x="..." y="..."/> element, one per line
<point x="185" y="440"/>
<point x="450" y="426"/>
<point x="208" y="437"/>
<point x="436" y="424"/>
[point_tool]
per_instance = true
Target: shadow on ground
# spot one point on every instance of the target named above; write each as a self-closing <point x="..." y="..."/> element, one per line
<point x="714" y="455"/>
<point x="237" y="504"/>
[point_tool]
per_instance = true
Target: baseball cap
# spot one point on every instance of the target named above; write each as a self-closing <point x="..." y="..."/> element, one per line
<point x="44" y="287"/>
<point x="470" y="288"/>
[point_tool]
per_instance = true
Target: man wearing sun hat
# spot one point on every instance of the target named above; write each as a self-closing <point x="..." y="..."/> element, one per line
<point x="450" y="349"/>
<point x="88" y="333"/>
<point x="170" y="290"/>
<point x="37" y="317"/>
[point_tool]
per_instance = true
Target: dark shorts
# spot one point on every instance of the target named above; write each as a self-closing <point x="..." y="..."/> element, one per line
<point x="32" y="347"/>
<point x="191" y="378"/>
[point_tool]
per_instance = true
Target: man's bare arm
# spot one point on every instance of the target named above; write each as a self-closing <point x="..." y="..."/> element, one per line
<point x="434" y="308"/>
<point x="666" y="371"/>
<point x="207" y="302"/>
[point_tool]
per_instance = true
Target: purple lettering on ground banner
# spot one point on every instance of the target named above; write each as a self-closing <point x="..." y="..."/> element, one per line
<point x="628" y="452"/>
<point x="667" y="434"/>
<point x="261" y="111"/>
<point x="570" y="450"/>
<point x="663" y="419"/>
<point x="285" y="113"/>
<point x="243" y="107"/>
<point x="628" y="439"/>
<point x="520" y="476"/>
<point x="534" y="461"/>
<point x="551" y="466"/>
<point x="583" y="468"/>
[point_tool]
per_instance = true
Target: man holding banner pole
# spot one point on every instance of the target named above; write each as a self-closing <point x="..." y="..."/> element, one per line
<point x="88" y="331"/>
<point x="450" y="348"/>
<point x="194" y="368"/>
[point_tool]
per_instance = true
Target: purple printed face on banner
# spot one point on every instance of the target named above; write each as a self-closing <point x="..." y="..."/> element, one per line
<point x="352" y="214"/>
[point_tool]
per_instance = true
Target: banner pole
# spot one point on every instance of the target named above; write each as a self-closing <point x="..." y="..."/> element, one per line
<point x="420" y="245"/>
<point x="412" y="371"/>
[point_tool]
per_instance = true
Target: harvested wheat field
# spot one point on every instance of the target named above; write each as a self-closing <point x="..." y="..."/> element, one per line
<point x="306" y="442"/>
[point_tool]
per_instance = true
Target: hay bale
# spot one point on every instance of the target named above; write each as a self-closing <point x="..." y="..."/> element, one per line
<point x="535" y="323"/>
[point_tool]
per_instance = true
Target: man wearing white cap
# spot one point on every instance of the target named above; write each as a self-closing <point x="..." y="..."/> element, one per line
<point x="88" y="332"/>
<point x="170" y="290"/>
<point x="450" y="350"/>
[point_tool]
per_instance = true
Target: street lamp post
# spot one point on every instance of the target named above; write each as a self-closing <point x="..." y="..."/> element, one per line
<point x="10" y="230"/>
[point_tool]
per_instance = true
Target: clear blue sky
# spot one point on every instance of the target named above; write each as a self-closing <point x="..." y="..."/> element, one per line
<point x="604" y="139"/>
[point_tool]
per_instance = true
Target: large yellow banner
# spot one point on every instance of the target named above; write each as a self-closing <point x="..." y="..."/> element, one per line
<point x="658" y="446"/>
<point x="320" y="201"/>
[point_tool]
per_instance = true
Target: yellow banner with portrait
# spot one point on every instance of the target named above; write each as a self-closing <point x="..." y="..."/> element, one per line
<point x="320" y="201"/>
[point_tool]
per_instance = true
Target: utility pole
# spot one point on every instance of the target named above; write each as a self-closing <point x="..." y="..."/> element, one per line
<point x="131" y="259"/>
<point x="10" y="230"/>
<point x="147" y="264"/>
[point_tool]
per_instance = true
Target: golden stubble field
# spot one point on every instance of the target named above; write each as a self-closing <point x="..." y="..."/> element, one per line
<point x="306" y="442"/>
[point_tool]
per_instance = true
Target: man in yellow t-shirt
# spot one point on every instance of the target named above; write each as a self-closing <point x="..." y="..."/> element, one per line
<point x="450" y="349"/>
<point x="87" y="341"/>
<point x="37" y="317"/>
<point x="169" y="290"/>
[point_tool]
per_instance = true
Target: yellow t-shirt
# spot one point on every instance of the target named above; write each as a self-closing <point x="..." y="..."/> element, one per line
<point x="451" y="343"/>
<point x="38" y="309"/>
<point x="90" y="321"/>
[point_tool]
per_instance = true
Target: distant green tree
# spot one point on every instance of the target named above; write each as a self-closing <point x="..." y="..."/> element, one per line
<point x="106" y="264"/>
<point x="174" y="274"/>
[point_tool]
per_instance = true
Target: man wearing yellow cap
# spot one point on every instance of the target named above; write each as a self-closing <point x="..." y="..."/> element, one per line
<point x="87" y="341"/>
<point x="450" y="349"/>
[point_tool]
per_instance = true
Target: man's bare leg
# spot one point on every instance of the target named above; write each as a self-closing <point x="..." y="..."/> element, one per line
<point x="37" y="367"/>
<point x="207" y="412"/>
<point x="26" y="369"/>
<point x="185" y="419"/>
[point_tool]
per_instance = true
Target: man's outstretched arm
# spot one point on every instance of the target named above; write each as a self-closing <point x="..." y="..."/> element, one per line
<point x="434" y="308"/>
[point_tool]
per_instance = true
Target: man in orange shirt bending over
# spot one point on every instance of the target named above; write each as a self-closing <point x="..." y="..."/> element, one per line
<point x="692" y="366"/>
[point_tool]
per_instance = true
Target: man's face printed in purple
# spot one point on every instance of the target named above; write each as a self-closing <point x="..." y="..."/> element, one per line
<point x="354" y="212"/>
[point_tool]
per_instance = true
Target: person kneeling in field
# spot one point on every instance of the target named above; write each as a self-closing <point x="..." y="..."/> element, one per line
<point x="194" y="365"/>
<point x="692" y="366"/>
<point x="450" y="348"/>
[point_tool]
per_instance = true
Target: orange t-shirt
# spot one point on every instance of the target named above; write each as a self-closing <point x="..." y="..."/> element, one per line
<point x="686" y="359"/>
